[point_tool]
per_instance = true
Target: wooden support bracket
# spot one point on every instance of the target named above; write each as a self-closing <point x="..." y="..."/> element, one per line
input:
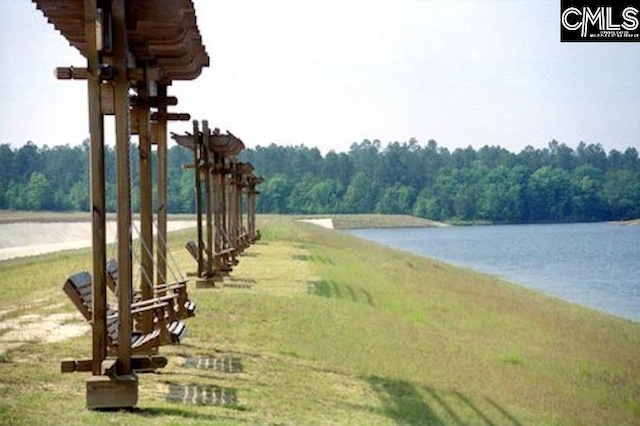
<point x="155" y="101"/>
<point x="138" y="363"/>
<point x="107" y="73"/>
<point x="173" y="116"/>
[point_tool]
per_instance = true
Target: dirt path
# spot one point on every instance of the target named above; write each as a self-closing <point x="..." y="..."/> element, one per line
<point x="15" y="331"/>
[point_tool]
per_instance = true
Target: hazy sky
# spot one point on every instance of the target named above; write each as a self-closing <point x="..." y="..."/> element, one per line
<point x="330" y="73"/>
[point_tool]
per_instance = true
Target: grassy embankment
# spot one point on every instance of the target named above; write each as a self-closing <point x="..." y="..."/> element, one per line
<point x="316" y="327"/>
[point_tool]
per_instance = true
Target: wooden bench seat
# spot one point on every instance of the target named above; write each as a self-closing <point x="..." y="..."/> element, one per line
<point x="78" y="288"/>
<point x="192" y="248"/>
<point x="174" y="293"/>
<point x="225" y="257"/>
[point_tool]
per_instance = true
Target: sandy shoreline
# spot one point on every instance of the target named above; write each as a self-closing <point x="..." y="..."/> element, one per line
<point x="324" y="222"/>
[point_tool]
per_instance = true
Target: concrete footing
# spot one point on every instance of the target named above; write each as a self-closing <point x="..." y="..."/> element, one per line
<point x="105" y="392"/>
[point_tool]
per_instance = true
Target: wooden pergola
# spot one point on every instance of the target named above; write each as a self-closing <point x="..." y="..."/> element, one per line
<point x="220" y="182"/>
<point x="134" y="51"/>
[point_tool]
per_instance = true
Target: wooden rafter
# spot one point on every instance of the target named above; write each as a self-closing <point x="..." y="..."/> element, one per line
<point x="162" y="33"/>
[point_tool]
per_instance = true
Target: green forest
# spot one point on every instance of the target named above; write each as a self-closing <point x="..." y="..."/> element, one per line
<point x="491" y="184"/>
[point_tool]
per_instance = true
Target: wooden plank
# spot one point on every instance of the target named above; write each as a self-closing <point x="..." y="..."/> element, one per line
<point x="121" y="86"/>
<point x="192" y="248"/>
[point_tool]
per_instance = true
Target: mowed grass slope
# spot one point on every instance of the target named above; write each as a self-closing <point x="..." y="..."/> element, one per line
<point x="317" y="327"/>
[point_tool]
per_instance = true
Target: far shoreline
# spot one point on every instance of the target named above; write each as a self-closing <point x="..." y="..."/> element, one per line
<point x="339" y="221"/>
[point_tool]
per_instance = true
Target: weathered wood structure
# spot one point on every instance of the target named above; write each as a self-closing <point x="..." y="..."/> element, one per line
<point x="252" y="192"/>
<point x="134" y="51"/>
<point x="220" y="181"/>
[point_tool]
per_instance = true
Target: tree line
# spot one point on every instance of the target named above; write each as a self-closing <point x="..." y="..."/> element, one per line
<point x="552" y="184"/>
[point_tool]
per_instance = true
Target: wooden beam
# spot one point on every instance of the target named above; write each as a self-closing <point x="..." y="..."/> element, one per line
<point x="123" y="178"/>
<point x="208" y="186"/>
<point x="153" y="362"/>
<point x="219" y="201"/>
<point x="197" y="148"/>
<point x="142" y="117"/>
<point x="76" y="73"/>
<point x="157" y="101"/>
<point x="233" y="205"/>
<point x="134" y="75"/>
<point x="173" y="116"/>
<point x="161" y="212"/>
<point x="98" y="204"/>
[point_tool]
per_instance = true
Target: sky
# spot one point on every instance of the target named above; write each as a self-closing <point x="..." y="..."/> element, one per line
<point x="330" y="73"/>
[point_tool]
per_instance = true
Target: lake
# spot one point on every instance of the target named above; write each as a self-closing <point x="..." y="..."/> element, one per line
<point x="593" y="264"/>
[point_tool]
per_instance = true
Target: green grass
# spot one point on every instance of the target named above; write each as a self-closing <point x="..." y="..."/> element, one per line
<point x="317" y="327"/>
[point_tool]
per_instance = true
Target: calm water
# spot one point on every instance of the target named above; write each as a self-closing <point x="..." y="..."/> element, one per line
<point x="596" y="265"/>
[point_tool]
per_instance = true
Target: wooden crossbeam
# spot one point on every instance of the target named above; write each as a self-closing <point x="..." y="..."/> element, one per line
<point x="107" y="74"/>
<point x="153" y="362"/>
<point x="156" y="101"/>
<point x="172" y="116"/>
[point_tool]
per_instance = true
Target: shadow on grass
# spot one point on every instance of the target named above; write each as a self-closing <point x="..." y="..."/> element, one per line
<point x="185" y="413"/>
<point x="223" y="364"/>
<point x="238" y="282"/>
<point x="330" y="288"/>
<point x="405" y="403"/>
<point x="312" y="258"/>
<point x="199" y="394"/>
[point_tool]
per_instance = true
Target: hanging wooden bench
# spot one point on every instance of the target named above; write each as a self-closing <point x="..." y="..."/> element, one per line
<point x="225" y="256"/>
<point x="174" y="294"/>
<point x="78" y="288"/>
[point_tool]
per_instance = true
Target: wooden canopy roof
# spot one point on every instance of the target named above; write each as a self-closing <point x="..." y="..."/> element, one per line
<point x="226" y="145"/>
<point x="164" y="33"/>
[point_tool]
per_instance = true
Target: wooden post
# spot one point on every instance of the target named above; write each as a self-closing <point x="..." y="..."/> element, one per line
<point x="161" y="212"/>
<point x="233" y="205"/>
<point x="197" y="149"/>
<point x="224" y="205"/>
<point x="251" y="206"/>
<point x="98" y="225"/>
<point x="243" y="190"/>
<point x="250" y="199"/>
<point x="121" y="96"/>
<point x="143" y="116"/>
<point x="239" y="185"/>
<point x="218" y="203"/>
<point x="208" y="196"/>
